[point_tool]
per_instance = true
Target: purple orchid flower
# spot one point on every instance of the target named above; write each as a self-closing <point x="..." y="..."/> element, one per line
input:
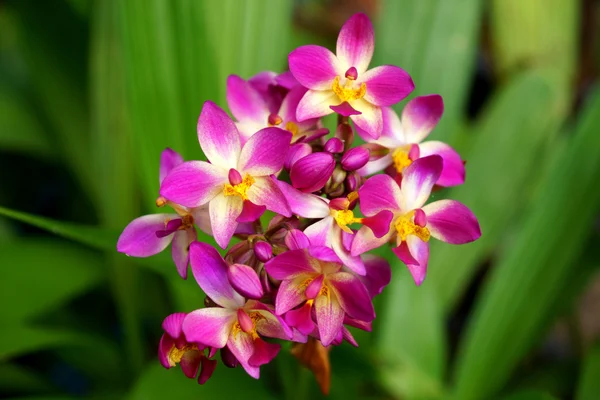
<point x="342" y="83"/>
<point x="413" y="223"/>
<point x="253" y="113"/>
<point x="236" y="323"/>
<point x="402" y="142"/>
<point x="150" y="234"/>
<point x="273" y="87"/>
<point x="313" y="279"/>
<point x="174" y="349"/>
<point x="235" y="179"/>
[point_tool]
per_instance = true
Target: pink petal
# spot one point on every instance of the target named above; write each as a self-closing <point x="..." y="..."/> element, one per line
<point x="245" y="281"/>
<point x="326" y="254"/>
<point x="318" y="233"/>
<point x="316" y="104"/>
<point x="172" y="324"/>
<point x="355" y="43"/>
<point x="169" y="159"/>
<point x="379" y="223"/>
<point x="403" y="253"/>
<point x="265" y="151"/>
<point x="420" y="116"/>
<point x="209" y="326"/>
<point x="296" y="152"/>
<point x="180" y="250"/>
<point x="164" y="348"/>
<point x="364" y="240"/>
<point x="310" y="173"/>
<point x="420" y="251"/>
<point x="330" y="317"/>
<point x="193" y="183"/>
<point x="224" y="211"/>
<point x="207" y="369"/>
<point x="453" y="172"/>
<point x="314" y="67"/>
<point x="190" y="363"/>
<point x="452" y="222"/>
<point x="376" y="165"/>
<point x="241" y="346"/>
<point x="290" y="103"/>
<point x="251" y="212"/>
<point x="301" y="319"/>
<point x="418" y="180"/>
<point x="345" y="109"/>
<point x="379" y="193"/>
<point x="139" y="237"/>
<point x="353" y="262"/>
<point x="265" y="192"/>
<point x="370" y="120"/>
<point x="202" y="219"/>
<point x="264" y="352"/>
<point x="352" y="295"/>
<point x="210" y="271"/>
<point x="379" y="274"/>
<point x="387" y="85"/>
<point x="296" y="240"/>
<point x="244" y="101"/>
<point x="218" y="136"/>
<point x="271" y="325"/>
<point x="290" y="264"/>
<point x="304" y="205"/>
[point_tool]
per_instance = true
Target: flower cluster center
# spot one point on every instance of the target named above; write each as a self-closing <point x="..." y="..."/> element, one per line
<point x="344" y="218"/>
<point x="405" y="226"/>
<point x="348" y="92"/>
<point x="255" y="317"/>
<point x="241" y="189"/>
<point x="401" y="159"/>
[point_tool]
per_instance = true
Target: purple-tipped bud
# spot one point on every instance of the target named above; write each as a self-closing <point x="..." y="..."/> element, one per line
<point x="352" y="73"/>
<point x="355" y="158"/>
<point x="235" y="178"/>
<point x="274" y="119"/>
<point x="296" y="152"/>
<point x="334" y="145"/>
<point x="310" y="173"/>
<point x="352" y="182"/>
<point x="264" y="280"/>
<point x="245" y="281"/>
<point x="263" y="251"/>
<point x="314" y="287"/>
<point x="245" y="321"/>
<point x="420" y="217"/>
<point x="228" y="358"/>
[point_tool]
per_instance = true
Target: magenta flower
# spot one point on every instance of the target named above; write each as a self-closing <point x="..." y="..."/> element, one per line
<point x="402" y="142"/>
<point x="150" y="234"/>
<point x="342" y="83"/>
<point x="174" y="349"/>
<point x="235" y="179"/>
<point x="313" y="278"/>
<point x="413" y="223"/>
<point x="236" y="323"/>
<point x="253" y="113"/>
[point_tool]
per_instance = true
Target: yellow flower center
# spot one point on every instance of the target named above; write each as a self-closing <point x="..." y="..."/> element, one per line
<point x="175" y="355"/>
<point x="241" y="189"/>
<point x="348" y="92"/>
<point x="405" y="226"/>
<point x="344" y="218"/>
<point x="401" y="159"/>
<point x="292" y="128"/>
<point x="255" y="316"/>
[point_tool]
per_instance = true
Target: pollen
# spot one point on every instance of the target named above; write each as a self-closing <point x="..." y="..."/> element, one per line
<point x="175" y="355"/>
<point x="348" y="92"/>
<point x="344" y="218"/>
<point x="401" y="159"/>
<point x="292" y="128"/>
<point x="240" y="189"/>
<point x="405" y="226"/>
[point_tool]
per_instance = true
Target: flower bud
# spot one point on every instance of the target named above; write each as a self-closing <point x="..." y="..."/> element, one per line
<point x="352" y="182"/>
<point x="334" y="145"/>
<point x="245" y="281"/>
<point x="355" y="158"/>
<point x="228" y="358"/>
<point x="310" y="173"/>
<point x="296" y="152"/>
<point x="263" y="251"/>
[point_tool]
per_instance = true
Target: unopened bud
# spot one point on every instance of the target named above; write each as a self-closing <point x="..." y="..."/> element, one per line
<point x="355" y="158"/>
<point x="263" y="251"/>
<point x="334" y="145"/>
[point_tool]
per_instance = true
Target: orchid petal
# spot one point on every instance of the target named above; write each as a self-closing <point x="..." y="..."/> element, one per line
<point x="264" y="352"/>
<point x="310" y="173"/>
<point x="295" y="153"/>
<point x="376" y="165"/>
<point x="318" y="233"/>
<point x="345" y="109"/>
<point x="172" y="324"/>
<point x="180" y="250"/>
<point x="207" y="369"/>
<point x="418" y="180"/>
<point x="387" y="85"/>
<point x="304" y="205"/>
<point x="379" y="193"/>
<point x="452" y="222"/>
<point x="420" y="116"/>
<point x="301" y="319"/>
<point x="290" y="264"/>
<point x="379" y="274"/>
<point x="330" y="317"/>
<point x="245" y="281"/>
<point x="290" y="103"/>
<point x="271" y="325"/>
<point x="353" y="262"/>
<point x="265" y="151"/>
<point x="453" y="173"/>
<point x="316" y="104"/>
<point x="169" y="159"/>
<point x="352" y="295"/>
<point x="209" y="326"/>
<point x="218" y="136"/>
<point x="224" y="211"/>
<point x="245" y="102"/>
<point x="241" y="346"/>
<point x="420" y="251"/>
<point x="291" y="293"/>
<point x="370" y="119"/>
<point x="314" y="67"/>
<point x="250" y="212"/>
<point x="356" y="42"/>
<point x="379" y="223"/>
<point x="193" y="183"/>
<point x="190" y="363"/>
<point x="296" y="239"/>
<point x="265" y="192"/>
<point x="139" y="237"/>
<point x="364" y="240"/>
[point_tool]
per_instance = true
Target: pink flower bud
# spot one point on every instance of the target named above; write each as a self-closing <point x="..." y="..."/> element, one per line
<point x="296" y="152"/>
<point x="235" y="178"/>
<point x="355" y="158"/>
<point x="334" y="145"/>
<point x="263" y="251"/>
<point x="310" y="173"/>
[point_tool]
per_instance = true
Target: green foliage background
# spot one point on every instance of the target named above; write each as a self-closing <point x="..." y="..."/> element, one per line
<point x="92" y="91"/>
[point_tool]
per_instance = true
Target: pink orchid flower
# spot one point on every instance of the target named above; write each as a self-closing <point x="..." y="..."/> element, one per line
<point x="150" y="234"/>
<point x="414" y="223"/>
<point x="341" y="82"/>
<point x="236" y="323"/>
<point x="174" y="349"/>
<point x="273" y="87"/>
<point x="235" y="179"/>
<point x="313" y="278"/>
<point x="253" y="113"/>
<point x="401" y="142"/>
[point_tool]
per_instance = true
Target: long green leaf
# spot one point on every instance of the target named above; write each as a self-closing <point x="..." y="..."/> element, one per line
<point x="532" y="272"/>
<point x="588" y="387"/>
<point x="14" y="378"/>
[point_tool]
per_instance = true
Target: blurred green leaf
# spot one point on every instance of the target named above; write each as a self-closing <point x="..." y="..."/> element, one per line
<point x="436" y="43"/>
<point x="529" y="395"/>
<point x="14" y="378"/>
<point x="588" y="387"/>
<point x="533" y="271"/>
<point x="36" y="264"/>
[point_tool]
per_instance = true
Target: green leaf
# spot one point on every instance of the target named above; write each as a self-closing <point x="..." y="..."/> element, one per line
<point x="529" y="395"/>
<point x="533" y="271"/>
<point x="588" y="387"/>
<point x="52" y="271"/>
<point x="14" y="378"/>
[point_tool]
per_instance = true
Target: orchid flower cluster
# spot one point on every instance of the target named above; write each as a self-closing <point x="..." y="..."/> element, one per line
<point x="305" y="276"/>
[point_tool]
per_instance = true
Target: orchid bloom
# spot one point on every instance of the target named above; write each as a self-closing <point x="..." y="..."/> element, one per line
<point x="252" y="111"/>
<point x="334" y="217"/>
<point x="235" y="179"/>
<point x="150" y="234"/>
<point x="414" y="223"/>
<point x="174" y="349"/>
<point x="313" y="277"/>
<point x="401" y="142"/>
<point x="342" y="83"/>
<point x="273" y="87"/>
<point x="236" y="323"/>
